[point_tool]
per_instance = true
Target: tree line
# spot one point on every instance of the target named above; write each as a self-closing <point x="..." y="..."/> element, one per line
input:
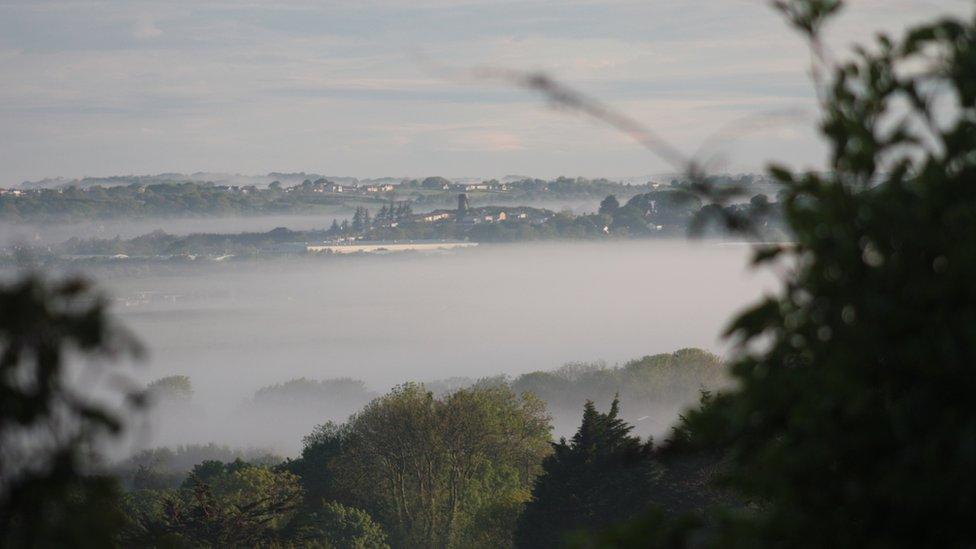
<point x="410" y="469"/>
<point x="157" y="200"/>
<point x="194" y="198"/>
<point x="458" y="463"/>
<point x="474" y="467"/>
<point x="651" y="389"/>
<point x="667" y="213"/>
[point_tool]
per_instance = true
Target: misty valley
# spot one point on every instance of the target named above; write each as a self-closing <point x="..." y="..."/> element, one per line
<point x="732" y="304"/>
<point x="506" y="311"/>
<point x="448" y="283"/>
<point x="263" y="364"/>
<point x="447" y="319"/>
<point x="259" y="368"/>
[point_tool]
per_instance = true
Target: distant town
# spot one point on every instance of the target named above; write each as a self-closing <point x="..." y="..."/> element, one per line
<point x="173" y="195"/>
<point x="394" y="227"/>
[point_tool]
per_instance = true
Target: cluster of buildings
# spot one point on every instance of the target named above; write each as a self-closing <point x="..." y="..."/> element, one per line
<point x="445" y="185"/>
<point x="366" y="247"/>
<point x="241" y="189"/>
<point x="483" y="186"/>
<point x="325" y="186"/>
<point x="317" y="186"/>
<point x="330" y="187"/>
<point x="466" y="215"/>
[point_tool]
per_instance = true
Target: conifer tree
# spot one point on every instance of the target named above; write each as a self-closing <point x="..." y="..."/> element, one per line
<point x="602" y="475"/>
<point x="359" y="219"/>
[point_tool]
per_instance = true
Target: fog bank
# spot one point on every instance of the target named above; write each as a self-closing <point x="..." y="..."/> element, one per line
<point x="505" y="309"/>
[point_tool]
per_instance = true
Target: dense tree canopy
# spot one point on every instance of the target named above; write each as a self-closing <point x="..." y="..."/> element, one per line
<point x="441" y="472"/>
<point x="852" y="424"/>
<point x="219" y="505"/>
<point x="336" y="526"/>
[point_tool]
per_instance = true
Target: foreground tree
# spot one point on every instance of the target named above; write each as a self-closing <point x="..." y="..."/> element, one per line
<point x="600" y="477"/>
<point x="441" y="472"/>
<point x="49" y="495"/>
<point x="853" y="422"/>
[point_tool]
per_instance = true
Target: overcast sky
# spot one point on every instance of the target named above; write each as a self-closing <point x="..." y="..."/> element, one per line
<point x="343" y="88"/>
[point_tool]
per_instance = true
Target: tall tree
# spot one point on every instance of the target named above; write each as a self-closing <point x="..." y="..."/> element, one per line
<point x="316" y="467"/>
<point x="599" y="477"/>
<point x="609" y="205"/>
<point x="360" y="219"/>
<point x="853" y="423"/>
<point x="403" y="211"/>
<point x="426" y="467"/>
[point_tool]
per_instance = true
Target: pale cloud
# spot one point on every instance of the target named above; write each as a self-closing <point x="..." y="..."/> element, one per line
<point x="102" y="87"/>
<point x="145" y="28"/>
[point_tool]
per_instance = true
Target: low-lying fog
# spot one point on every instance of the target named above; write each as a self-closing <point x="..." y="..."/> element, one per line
<point x="54" y="233"/>
<point x="503" y="309"/>
<point x="46" y="233"/>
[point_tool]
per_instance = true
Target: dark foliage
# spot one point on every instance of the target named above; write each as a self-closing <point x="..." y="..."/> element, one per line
<point x="609" y="205"/>
<point x="48" y="495"/>
<point x="219" y="505"/>
<point x="598" y="478"/>
<point x="337" y="526"/>
<point x="853" y="425"/>
<point x="316" y="466"/>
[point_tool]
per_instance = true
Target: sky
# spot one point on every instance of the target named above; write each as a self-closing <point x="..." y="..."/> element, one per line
<point x="358" y="88"/>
